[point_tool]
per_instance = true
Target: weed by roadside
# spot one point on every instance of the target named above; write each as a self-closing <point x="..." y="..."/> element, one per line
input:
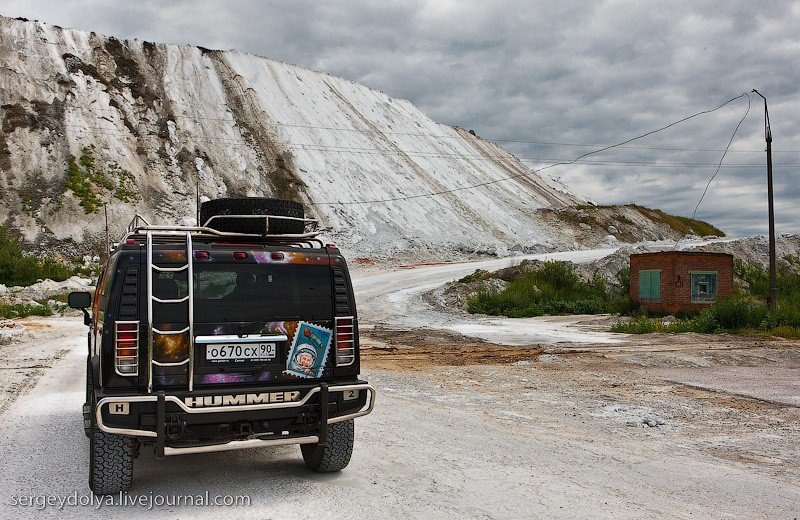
<point x="21" y="310"/>
<point x="735" y="315"/>
<point x="555" y="288"/>
<point x="18" y="268"/>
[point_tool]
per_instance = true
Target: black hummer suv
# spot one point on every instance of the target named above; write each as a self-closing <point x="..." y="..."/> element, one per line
<point x="239" y="333"/>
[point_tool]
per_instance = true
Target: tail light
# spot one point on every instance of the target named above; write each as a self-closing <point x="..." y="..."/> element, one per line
<point x="126" y="348"/>
<point x="345" y="341"/>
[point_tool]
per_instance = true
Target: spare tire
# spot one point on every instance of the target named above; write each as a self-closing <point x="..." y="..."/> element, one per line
<point x="253" y="206"/>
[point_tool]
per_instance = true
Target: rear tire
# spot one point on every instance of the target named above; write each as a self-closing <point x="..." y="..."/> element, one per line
<point x="110" y="462"/>
<point x="110" y="458"/>
<point x="335" y="454"/>
<point x="253" y="206"/>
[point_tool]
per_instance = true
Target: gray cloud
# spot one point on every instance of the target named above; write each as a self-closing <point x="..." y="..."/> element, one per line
<point x="570" y="72"/>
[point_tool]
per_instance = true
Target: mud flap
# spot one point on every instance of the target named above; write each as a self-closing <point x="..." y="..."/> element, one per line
<point x="161" y="424"/>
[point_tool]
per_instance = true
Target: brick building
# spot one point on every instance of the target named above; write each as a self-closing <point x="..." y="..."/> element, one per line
<point x="680" y="280"/>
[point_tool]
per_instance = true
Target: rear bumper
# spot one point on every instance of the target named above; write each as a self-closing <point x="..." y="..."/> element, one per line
<point x="324" y="401"/>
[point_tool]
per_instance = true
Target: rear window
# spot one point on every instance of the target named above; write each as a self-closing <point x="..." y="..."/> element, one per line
<point x="247" y="292"/>
<point x="250" y="292"/>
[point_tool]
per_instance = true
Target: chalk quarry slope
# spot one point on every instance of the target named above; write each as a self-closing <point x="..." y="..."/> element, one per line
<point x="146" y="122"/>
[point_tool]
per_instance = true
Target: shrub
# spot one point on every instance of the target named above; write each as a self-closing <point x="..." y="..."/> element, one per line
<point x="18" y="268"/>
<point x="554" y="288"/>
<point x="20" y="310"/>
<point x="640" y="325"/>
<point x="786" y="332"/>
<point x="685" y="314"/>
<point x="94" y="185"/>
<point x="479" y="274"/>
<point x="735" y="315"/>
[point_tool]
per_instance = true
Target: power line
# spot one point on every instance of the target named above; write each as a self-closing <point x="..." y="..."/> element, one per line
<point x="313" y="147"/>
<point x="719" y="164"/>
<point x="310" y="147"/>
<point x="655" y="148"/>
<point x="587" y="154"/>
<point x="371" y="133"/>
<point x="733" y="135"/>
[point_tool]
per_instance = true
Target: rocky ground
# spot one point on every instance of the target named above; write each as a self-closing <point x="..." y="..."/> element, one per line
<point x="44" y="290"/>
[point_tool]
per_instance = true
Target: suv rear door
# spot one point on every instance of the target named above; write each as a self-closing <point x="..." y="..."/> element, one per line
<point x="248" y="310"/>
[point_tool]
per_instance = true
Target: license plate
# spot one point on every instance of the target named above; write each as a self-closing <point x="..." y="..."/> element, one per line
<point x="240" y="353"/>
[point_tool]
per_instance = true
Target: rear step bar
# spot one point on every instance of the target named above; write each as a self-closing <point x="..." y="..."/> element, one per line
<point x="241" y="445"/>
<point x="161" y="399"/>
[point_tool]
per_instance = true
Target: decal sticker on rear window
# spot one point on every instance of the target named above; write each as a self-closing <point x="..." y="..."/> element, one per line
<point x="309" y="351"/>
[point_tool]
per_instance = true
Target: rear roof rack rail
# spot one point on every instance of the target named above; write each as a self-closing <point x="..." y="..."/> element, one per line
<point x="139" y="228"/>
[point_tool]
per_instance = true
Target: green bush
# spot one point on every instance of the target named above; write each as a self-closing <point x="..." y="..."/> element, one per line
<point x="479" y="274"/>
<point x="94" y="185"/>
<point x="554" y="288"/>
<point x="735" y="315"/>
<point x="685" y="314"/>
<point x="640" y="325"/>
<point x="756" y="281"/>
<point x="20" y="310"/>
<point x="18" y="268"/>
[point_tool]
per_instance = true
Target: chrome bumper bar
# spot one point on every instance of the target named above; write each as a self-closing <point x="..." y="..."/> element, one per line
<point x="235" y="408"/>
<point x="241" y="445"/>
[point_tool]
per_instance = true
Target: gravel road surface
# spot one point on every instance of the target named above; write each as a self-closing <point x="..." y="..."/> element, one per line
<point x="589" y="430"/>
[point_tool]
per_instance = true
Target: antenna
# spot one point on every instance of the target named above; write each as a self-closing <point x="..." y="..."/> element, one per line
<point x="108" y="245"/>
<point x="197" y="196"/>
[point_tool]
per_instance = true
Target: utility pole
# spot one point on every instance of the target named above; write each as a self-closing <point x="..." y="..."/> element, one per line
<point x="772" y="299"/>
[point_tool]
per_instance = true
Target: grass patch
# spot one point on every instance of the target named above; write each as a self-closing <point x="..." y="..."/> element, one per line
<point x="786" y="332"/>
<point x="95" y="185"/>
<point x="18" y="268"/>
<point x="735" y="315"/>
<point x="683" y="225"/>
<point x="21" y="310"/>
<point x="553" y="289"/>
<point x="479" y="274"/>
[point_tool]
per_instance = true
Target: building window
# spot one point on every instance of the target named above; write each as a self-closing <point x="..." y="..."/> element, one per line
<point x="650" y="284"/>
<point x="704" y="287"/>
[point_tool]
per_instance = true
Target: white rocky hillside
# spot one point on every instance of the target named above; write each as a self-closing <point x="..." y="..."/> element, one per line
<point x="89" y="120"/>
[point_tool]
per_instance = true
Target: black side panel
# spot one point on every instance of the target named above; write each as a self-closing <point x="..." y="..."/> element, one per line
<point x="122" y="305"/>
<point x="129" y="304"/>
<point x="342" y="293"/>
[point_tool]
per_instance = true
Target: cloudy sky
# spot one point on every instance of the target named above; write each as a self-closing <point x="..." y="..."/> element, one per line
<point x="549" y="80"/>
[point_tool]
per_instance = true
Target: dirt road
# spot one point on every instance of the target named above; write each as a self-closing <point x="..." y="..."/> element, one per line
<point x="664" y="426"/>
<point x="393" y="298"/>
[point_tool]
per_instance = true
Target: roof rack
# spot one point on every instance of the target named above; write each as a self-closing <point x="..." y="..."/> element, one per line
<point x="139" y="228"/>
